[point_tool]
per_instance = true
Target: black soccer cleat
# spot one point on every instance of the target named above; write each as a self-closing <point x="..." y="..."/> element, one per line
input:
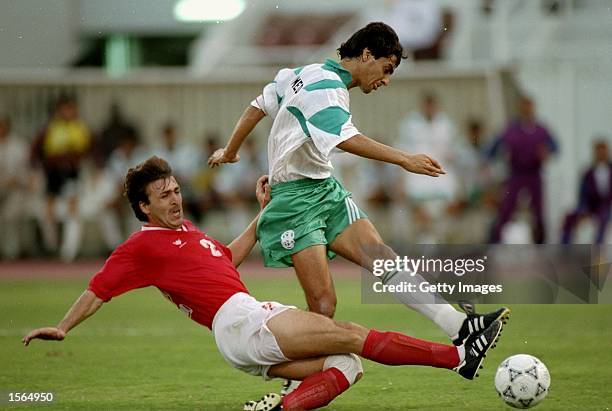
<point x="289" y="386"/>
<point x="474" y="324"/>
<point x="249" y="406"/>
<point x="476" y="351"/>
<point x="269" y="402"/>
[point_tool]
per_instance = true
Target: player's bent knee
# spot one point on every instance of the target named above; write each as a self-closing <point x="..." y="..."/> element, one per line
<point x="386" y="251"/>
<point x="349" y="325"/>
<point x="325" y="305"/>
<point x="324" y="309"/>
<point x="375" y="248"/>
<point x="347" y="364"/>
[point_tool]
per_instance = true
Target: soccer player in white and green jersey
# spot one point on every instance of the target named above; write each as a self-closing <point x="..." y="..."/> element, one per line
<point x="311" y="217"/>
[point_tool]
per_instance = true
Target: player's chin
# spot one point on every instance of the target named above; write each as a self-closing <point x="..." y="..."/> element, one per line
<point x="176" y="220"/>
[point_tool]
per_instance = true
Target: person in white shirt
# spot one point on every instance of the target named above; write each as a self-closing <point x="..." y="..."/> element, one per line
<point x="430" y="130"/>
<point x="14" y="182"/>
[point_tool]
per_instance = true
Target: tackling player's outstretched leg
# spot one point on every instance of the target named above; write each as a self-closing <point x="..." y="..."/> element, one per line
<point x="311" y="340"/>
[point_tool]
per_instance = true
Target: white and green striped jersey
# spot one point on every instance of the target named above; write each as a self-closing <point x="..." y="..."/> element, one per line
<point x="309" y="107"/>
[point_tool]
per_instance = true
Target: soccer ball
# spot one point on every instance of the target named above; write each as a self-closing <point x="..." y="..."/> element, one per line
<point x="522" y="381"/>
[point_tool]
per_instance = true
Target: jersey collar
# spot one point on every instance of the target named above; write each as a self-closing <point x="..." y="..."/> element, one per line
<point x="155" y="228"/>
<point x="344" y="74"/>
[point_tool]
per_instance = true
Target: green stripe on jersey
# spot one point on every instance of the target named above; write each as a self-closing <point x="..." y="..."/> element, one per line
<point x="323" y="84"/>
<point x="330" y="119"/>
<point x="334" y="67"/>
<point x="298" y="70"/>
<point x="300" y="118"/>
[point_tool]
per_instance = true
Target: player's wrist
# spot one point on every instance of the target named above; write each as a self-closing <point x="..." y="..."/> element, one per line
<point x="230" y="153"/>
<point x="62" y="330"/>
<point x="405" y="161"/>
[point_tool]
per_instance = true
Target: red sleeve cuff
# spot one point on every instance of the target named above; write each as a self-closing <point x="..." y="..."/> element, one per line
<point x="99" y="294"/>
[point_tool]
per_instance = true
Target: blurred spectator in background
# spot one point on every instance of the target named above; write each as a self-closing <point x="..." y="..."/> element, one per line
<point x="429" y="131"/>
<point x="59" y="149"/>
<point x="422" y="27"/>
<point x="595" y="195"/>
<point x="372" y="183"/>
<point x="234" y="185"/>
<point x="112" y="133"/>
<point x="184" y="157"/>
<point x="128" y="153"/>
<point x="14" y="182"/>
<point x="470" y="161"/>
<point x="373" y="186"/>
<point x="97" y="199"/>
<point x="203" y="184"/>
<point x="178" y="151"/>
<point x="527" y="145"/>
<point x="473" y="206"/>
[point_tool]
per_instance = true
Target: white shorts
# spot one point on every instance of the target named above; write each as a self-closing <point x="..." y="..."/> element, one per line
<point x="242" y="336"/>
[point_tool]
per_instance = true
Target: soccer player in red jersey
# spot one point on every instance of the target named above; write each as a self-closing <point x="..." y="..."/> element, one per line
<point x="198" y="274"/>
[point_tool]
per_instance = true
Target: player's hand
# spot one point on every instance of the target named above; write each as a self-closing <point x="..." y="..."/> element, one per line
<point x="47" y="333"/>
<point x="262" y="191"/>
<point x="422" y="164"/>
<point x="219" y="157"/>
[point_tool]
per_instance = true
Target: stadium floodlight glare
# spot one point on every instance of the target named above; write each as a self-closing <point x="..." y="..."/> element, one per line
<point x="208" y="10"/>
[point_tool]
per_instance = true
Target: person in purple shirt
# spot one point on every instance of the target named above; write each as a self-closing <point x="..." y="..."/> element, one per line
<point x="595" y="195"/>
<point x="527" y="144"/>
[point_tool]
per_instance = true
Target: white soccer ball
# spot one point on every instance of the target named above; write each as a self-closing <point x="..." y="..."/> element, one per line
<point x="522" y="381"/>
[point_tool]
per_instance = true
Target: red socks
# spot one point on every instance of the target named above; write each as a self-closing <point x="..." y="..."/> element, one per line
<point x="393" y="348"/>
<point x="388" y="348"/>
<point x="316" y="390"/>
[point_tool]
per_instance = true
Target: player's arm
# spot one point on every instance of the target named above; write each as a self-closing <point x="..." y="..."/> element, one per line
<point x="86" y="305"/>
<point x="549" y="147"/>
<point x="247" y="122"/>
<point x="243" y="244"/>
<point x="363" y="146"/>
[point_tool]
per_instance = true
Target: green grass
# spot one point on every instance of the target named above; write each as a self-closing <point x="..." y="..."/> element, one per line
<point x="139" y="352"/>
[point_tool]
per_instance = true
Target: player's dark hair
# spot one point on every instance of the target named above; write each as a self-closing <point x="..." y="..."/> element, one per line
<point x="64" y="99"/>
<point x="429" y="97"/>
<point x="600" y="141"/>
<point x="6" y="120"/>
<point x="138" y="178"/>
<point x="378" y="37"/>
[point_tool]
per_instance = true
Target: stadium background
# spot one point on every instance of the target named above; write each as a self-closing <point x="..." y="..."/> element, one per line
<point x="476" y="57"/>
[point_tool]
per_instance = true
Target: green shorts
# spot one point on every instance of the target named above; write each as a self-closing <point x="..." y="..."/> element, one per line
<point x="303" y="213"/>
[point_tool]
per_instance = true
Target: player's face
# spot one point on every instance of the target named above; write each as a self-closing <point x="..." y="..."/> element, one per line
<point x="601" y="153"/>
<point x="165" y="208"/>
<point x="376" y="72"/>
<point x="67" y="111"/>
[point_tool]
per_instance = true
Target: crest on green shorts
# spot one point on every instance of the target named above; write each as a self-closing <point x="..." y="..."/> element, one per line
<point x="287" y="239"/>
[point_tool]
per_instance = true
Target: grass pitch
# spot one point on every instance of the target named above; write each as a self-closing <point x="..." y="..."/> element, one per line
<point x="140" y="352"/>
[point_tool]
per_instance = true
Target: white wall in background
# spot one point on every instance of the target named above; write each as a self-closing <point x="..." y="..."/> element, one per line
<point x="132" y="16"/>
<point x="38" y="34"/>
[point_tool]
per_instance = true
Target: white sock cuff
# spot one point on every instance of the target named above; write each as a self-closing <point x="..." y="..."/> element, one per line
<point x="461" y="353"/>
<point x="449" y="319"/>
<point x="347" y="364"/>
